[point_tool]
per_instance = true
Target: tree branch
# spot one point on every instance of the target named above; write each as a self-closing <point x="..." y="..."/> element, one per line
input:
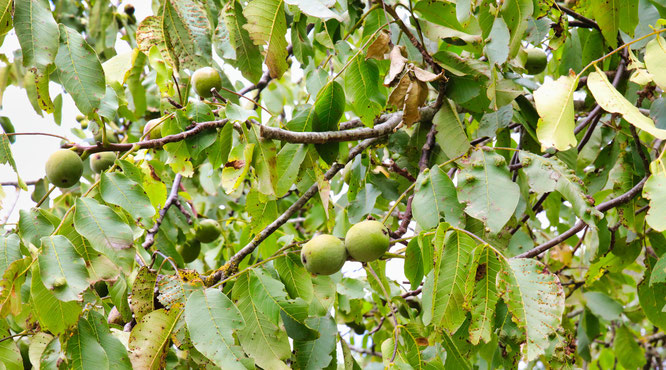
<point x="603" y="207"/>
<point x="390" y="122"/>
<point x="232" y="264"/>
<point x="171" y="199"/>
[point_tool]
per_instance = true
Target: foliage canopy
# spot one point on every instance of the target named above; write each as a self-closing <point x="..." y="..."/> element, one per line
<point x="526" y="212"/>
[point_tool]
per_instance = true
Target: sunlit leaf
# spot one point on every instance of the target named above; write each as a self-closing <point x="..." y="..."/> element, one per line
<point x="554" y="102"/>
<point x="266" y="25"/>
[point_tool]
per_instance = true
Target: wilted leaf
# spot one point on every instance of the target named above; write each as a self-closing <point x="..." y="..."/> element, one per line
<point x="398" y="62"/>
<point x="380" y="46"/>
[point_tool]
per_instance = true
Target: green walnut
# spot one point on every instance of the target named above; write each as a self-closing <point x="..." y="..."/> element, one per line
<point x="536" y="61"/>
<point x="101" y="161"/>
<point x="154" y="126"/>
<point x="64" y="168"/>
<point x="109" y="135"/>
<point x="204" y="79"/>
<point x="190" y="250"/>
<point x="207" y="230"/>
<point x="324" y="255"/>
<point x="367" y="240"/>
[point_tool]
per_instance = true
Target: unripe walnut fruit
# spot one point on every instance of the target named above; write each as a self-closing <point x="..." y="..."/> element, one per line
<point x="190" y="250"/>
<point x="110" y="137"/>
<point x="204" y="79"/>
<point x="154" y="126"/>
<point x="367" y="240"/>
<point x="323" y="255"/>
<point x="101" y="161"/>
<point x="207" y="231"/>
<point x="64" y="168"/>
<point x="536" y="61"/>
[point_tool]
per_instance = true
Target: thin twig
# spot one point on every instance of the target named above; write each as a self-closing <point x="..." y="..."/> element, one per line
<point x="171" y="199"/>
<point x="622" y="199"/>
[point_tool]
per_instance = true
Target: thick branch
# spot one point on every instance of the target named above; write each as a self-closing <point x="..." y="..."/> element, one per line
<point x="149" y="144"/>
<point x="390" y="122"/>
<point x="603" y="207"/>
<point x="171" y="199"/>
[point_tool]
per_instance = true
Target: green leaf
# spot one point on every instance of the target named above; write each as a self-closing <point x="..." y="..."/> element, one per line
<point x="10" y="355"/>
<point x="33" y="225"/>
<point x="435" y="198"/>
<point x="289" y="161"/>
<point x="607" y="14"/>
<point x="362" y="85"/>
<point x="264" y="162"/>
<point x="487" y="189"/>
<point x="444" y="287"/>
<point x="5" y="16"/>
<point x="53" y="314"/>
<point x="6" y="152"/>
<point x="652" y="299"/>
<point x="10" y="250"/>
<point x="262" y="210"/>
<point x="451" y="136"/>
<point x="497" y="47"/>
<point x="37" y="33"/>
<point x="115" y="350"/>
<point x="328" y="108"/>
<point x="655" y="52"/>
<point x="627" y="350"/>
<point x="414" y="263"/>
<point x="484" y="296"/>
<point x="364" y="203"/>
<point x="316" y="354"/>
<point x="612" y="101"/>
<point x="267" y="25"/>
<point x="173" y="290"/>
<point x="295" y="277"/>
<point x="79" y="71"/>
<point x="105" y="230"/>
<point x="261" y="338"/>
<point x="58" y="263"/>
<point x="187" y="33"/>
<point x="554" y="102"/>
<point x="516" y="14"/>
<point x="545" y="175"/>
<point x="536" y="300"/>
<point x="10" y="286"/>
<point x="248" y="56"/>
<point x="237" y="167"/>
<point x="603" y="306"/>
<point x="149" y="339"/>
<point x="143" y="291"/>
<point x="655" y="190"/>
<point x="211" y="319"/>
<point x="84" y="350"/>
<point x="118" y="189"/>
<point x="658" y="274"/>
<point x="119" y="296"/>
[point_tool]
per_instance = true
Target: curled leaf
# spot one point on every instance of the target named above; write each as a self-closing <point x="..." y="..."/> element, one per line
<point x="380" y="47"/>
<point x="398" y="62"/>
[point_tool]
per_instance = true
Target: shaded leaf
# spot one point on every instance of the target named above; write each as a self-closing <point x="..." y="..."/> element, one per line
<point x="53" y="314"/>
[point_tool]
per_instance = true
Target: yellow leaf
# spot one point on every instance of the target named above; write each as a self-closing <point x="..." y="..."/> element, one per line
<point x="554" y="103"/>
<point x="655" y="54"/>
<point x="612" y="101"/>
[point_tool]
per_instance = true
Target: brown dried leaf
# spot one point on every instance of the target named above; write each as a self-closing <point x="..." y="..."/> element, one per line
<point x="398" y="62"/>
<point x="417" y="93"/>
<point x="425" y="76"/>
<point x="380" y="47"/>
<point x="397" y="97"/>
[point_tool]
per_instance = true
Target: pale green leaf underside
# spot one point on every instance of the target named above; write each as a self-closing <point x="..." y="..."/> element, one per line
<point x="554" y="103"/>
<point x="612" y="101"/>
<point x="267" y="25"/>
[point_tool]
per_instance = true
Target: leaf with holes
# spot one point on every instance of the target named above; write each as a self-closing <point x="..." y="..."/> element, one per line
<point x="444" y="287"/>
<point x="535" y="298"/>
<point x="149" y="340"/>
